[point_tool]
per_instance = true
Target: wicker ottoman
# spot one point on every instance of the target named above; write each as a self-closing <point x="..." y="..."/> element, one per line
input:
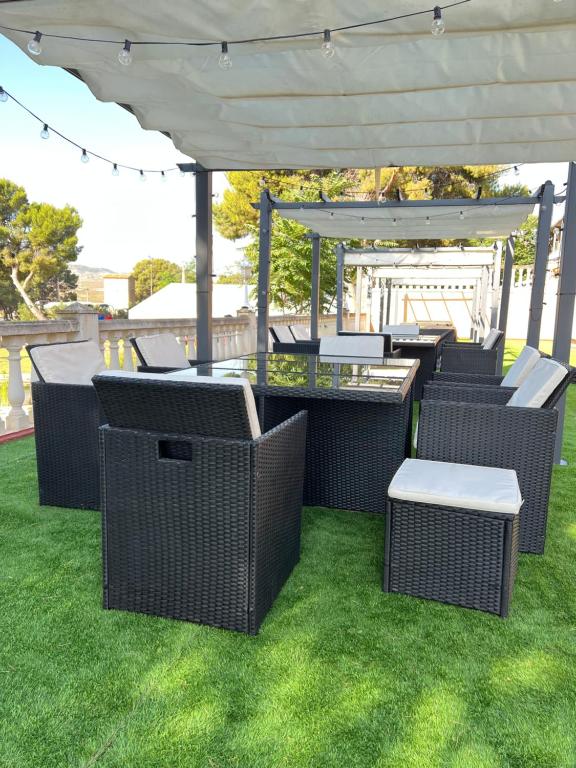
<point x="452" y="534"/>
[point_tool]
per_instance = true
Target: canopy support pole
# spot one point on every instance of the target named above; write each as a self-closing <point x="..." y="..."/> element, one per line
<point x="265" y="241"/>
<point x="339" y="287"/>
<point x="540" y="264"/>
<point x="358" y="302"/>
<point x="565" y="300"/>
<point x="315" y="281"/>
<point x="496" y="284"/>
<point x="204" y="347"/>
<point x="388" y="299"/>
<point x="505" y="298"/>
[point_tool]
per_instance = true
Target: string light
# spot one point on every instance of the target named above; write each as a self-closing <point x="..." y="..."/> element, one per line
<point x="125" y="56"/>
<point x="438" y="27"/>
<point x="115" y="171"/>
<point x="394" y="222"/>
<point x="142" y="176"/>
<point x="34" y="45"/>
<point x="162" y="176"/>
<point x="3" y="95"/>
<point x="45" y="133"/>
<point x="225" y="62"/>
<point x="516" y="171"/>
<point x="461" y="216"/>
<point x="427" y="220"/>
<point x="327" y="45"/>
<point x="84" y="158"/>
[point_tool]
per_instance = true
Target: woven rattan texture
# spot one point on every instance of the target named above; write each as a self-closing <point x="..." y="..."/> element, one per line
<point x="497" y="436"/>
<point x="465" y="358"/>
<point x="450" y="554"/>
<point x="66" y="421"/>
<point x="353" y="449"/>
<point x="297" y="348"/>
<point x="483" y="379"/>
<point x="468" y="393"/>
<point x="200" y="539"/>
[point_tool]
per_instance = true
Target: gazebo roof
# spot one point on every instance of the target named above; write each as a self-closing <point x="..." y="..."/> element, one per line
<point x="497" y="87"/>
<point x="412" y="219"/>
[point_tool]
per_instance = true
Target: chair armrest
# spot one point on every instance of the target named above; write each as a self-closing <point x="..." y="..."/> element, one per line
<point x="467" y="393"/>
<point x="486" y="435"/>
<point x="439" y="377"/>
<point x="464" y="344"/>
<point x="468" y="358"/>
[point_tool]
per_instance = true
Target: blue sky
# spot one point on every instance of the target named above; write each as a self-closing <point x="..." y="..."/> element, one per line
<point x="124" y="219"/>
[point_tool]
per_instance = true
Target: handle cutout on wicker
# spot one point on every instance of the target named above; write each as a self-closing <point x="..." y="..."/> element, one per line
<point x="174" y="450"/>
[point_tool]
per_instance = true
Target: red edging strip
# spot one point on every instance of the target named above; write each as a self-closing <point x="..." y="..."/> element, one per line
<point x="16" y="435"/>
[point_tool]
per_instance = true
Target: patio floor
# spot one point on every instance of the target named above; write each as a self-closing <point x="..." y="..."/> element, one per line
<point x="340" y="675"/>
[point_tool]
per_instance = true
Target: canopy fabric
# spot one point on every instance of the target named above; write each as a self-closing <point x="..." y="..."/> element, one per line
<point x="459" y="220"/>
<point x="498" y="87"/>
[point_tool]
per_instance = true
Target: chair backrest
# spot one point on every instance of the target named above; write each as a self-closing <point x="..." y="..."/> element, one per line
<point x="160" y="350"/>
<point x="492" y="339"/>
<point x="352" y="346"/>
<point x="176" y="404"/>
<point x="521" y="367"/>
<point x="300" y="332"/>
<point x="403" y="329"/>
<point x="543" y="385"/>
<point x="69" y="362"/>
<point x="282" y="333"/>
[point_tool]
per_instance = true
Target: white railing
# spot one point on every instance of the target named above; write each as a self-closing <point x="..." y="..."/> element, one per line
<point x="232" y="336"/>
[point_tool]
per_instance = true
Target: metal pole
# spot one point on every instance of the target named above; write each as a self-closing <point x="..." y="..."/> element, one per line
<point x="339" y="287"/>
<point x="496" y="284"/>
<point x="505" y="299"/>
<point x="204" y="265"/>
<point x="358" y="302"/>
<point x="264" y="270"/>
<point x="381" y="312"/>
<point x="315" y="283"/>
<point x="388" y="299"/>
<point x="540" y="264"/>
<point x="565" y="300"/>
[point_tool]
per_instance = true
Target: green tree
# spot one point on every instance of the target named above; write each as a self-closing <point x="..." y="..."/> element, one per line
<point x="525" y="242"/>
<point x="60" y="287"/>
<point x="152" y="274"/>
<point x="37" y="241"/>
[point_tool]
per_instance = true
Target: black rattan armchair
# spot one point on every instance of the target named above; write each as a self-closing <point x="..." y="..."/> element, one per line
<point x="467" y="357"/>
<point x="201" y="514"/>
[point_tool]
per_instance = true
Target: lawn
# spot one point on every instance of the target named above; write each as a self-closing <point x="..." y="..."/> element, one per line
<point x="341" y="674"/>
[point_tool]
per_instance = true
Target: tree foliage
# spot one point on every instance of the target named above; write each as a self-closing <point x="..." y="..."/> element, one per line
<point x="525" y="242"/>
<point x="152" y="274"/>
<point x="290" y="266"/>
<point x="37" y="242"/>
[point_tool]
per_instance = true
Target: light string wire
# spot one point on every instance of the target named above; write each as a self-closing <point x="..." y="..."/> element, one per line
<point x="242" y="41"/>
<point x="161" y="171"/>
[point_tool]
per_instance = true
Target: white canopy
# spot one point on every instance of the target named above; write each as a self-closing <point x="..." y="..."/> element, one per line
<point x="498" y="87"/>
<point x="412" y="220"/>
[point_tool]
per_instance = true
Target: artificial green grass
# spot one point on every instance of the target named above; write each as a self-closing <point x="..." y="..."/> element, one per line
<point x="340" y="675"/>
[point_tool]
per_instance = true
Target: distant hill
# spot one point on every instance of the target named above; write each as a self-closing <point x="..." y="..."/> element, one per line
<point x="82" y="270"/>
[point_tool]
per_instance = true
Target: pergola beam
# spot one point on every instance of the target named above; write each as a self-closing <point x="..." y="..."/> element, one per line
<point x="264" y="270"/>
<point x="465" y="202"/>
<point x="505" y="295"/>
<point x="204" y="265"/>
<point x="540" y="265"/>
<point x="315" y="286"/>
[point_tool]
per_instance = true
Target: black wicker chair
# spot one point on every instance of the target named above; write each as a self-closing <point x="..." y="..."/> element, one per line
<point x="66" y="421"/>
<point x="153" y="352"/>
<point x="466" y="357"/>
<point x="475" y="425"/>
<point x="201" y="516"/>
<point x="519" y="370"/>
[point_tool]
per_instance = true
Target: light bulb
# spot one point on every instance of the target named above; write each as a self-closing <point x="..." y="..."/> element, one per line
<point x="427" y="220"/>
<point x="224" y="62"/>
<point x="183" y="173"/>
<point x="558" y="1"/>
<point x="394" y="222"/>
<point x="461" y="215"/>
<point x="142" y="176"/>
<point x="84" y="158"/>
<point x="438" y="27"/>
<point x="162" y="176"/>
<point x="3" y="95"/>
<point x="115" y="171"/>
<point x="363" y="220"/>
<point x="516" y="169"/>
<point x="125" y="56"/>
<point x="327" y="45"/>
<point x="34" y="46"/>
<point x="45" y="133"/>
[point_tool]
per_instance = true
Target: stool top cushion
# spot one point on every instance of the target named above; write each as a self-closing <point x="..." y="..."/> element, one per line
<point x="521" y="367"/>
<point x="403" y="329"/>
<point x="457" y="485"/>
<point x="162" y="349"/>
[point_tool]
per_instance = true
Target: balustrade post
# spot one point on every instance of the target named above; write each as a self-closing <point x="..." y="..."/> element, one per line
<point x="127" y="362"/>
<point x="17" y="417"/>
<point x="114" y="356"/>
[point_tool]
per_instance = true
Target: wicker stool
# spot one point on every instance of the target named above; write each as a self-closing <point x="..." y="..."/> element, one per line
<point x="452" y="534"/>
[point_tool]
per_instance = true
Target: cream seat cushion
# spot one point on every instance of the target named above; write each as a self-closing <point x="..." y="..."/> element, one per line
<point x="300" y="332"/>
<point x="68" y="363"/>
<point x="162" y="350"/>
<point x="540" y="383"/>
<point x="403" y="329"/>
<point x="353" y="346"/>
<point x="283" y="334"/>
<point x="457" y="485"/>
<point x="521" y="367"/>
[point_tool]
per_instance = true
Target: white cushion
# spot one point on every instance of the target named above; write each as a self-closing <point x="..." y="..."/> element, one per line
<point x="521" y="367"/>
<point x="300" y="332"/>
<point x="404" y="329"/>
<point x="353" y="346"/>
<point x="457" y="485"/>
<point x="163" y="350"/>
<point x="234" y="381"/>
<point x="539" y="384"/>
<point x="493" y="336"/>
<point x="283" y="334"/>
<point x="71" y="363"/>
